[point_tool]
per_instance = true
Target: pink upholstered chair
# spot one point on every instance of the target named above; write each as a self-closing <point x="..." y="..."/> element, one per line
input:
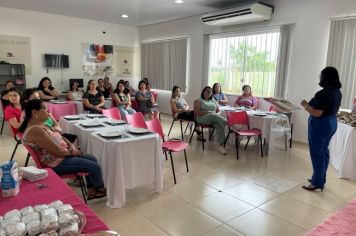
<point x="113" y="113"/>
<point x="136" y="120"/>
<point x="170" y="146"/>
<point x="78" y="176"/>
<point x="241" y="118"/>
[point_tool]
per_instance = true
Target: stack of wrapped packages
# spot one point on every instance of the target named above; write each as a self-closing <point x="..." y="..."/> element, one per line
<point x="32" y="173"/>
<point x="55" y="218"/>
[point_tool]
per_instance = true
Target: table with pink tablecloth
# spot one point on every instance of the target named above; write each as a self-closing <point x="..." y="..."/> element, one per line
<point x="57" y="190"/>
<point x="61" y="109"/>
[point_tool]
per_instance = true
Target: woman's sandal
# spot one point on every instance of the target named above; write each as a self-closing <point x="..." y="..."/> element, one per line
<point x="97" y="194"/>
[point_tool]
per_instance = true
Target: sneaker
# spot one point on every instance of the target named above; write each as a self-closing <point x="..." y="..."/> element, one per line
<point x="222" y="150"/>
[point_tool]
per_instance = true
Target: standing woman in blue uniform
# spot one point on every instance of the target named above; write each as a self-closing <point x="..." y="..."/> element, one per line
<point x="322" y="124"/>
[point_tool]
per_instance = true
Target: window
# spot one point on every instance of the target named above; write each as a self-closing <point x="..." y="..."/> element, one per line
<point x="236" y="60"/>
<point x="164" y="63"/>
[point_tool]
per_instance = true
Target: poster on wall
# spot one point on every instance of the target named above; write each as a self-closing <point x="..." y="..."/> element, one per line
<point x="109" y="60"/>
<point x="98" y="59"/>
<point x="16" y="50"/>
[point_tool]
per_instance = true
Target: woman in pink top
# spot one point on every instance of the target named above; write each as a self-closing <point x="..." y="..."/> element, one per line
<point x="246" y="99"/>
<point x="13" y="110"/>
<point x="57" y="152"/>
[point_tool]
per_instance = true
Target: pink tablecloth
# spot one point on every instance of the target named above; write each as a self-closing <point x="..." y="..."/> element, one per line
<point x="341" y="223"/>
<point x="59" y="110"/>
<point x="58" y="190"/>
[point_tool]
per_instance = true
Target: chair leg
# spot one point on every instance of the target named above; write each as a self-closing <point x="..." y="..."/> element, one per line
<point x="174" y="173"/>
<point x="181" y="130"/>
<point x="202" y="135"/>
<point x="291" y="136"/>
<point x="211" y="134"/>
<point x="27" y="159"/>
<point x="186" y="160"/>
<point x="227" y="137"/>
<point x="237" y="145"/>
<point x="260" y="138"/>
<point x="186" y="128"/>
<point x="2" y="125"/>
<point x="82" y="187"/>
<point x="13" y="153"/>
<point x="165" y="153"/>
<point x="170" y="129"/>
<point x="248" y="140"/>
<point x="191" y="136"/>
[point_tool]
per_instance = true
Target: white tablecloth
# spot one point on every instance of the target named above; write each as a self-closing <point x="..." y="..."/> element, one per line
<point x="343" y="151"/>
<point x="128" y="163"/>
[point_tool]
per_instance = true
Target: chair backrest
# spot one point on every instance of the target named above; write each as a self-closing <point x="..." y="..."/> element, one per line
<point x="155" y="95"/>
<point x="136" y="120"/>
<point x="34" y="156"/>
<point x="15" y="132"/>
<point x="155" y="125"/>
<point x="237" y="118"/>
<point x="113" y="113"/>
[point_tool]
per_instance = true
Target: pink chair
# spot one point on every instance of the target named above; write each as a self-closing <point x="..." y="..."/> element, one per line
<point x="78" y="176"/>
<point x="136" y="120"/>
<point x="113" y="113"/>
<point x="173" y="145"/>
<point x="241" y="118"/>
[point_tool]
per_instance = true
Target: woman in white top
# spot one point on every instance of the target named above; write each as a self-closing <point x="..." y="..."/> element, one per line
<point x="74" y="93"/>
<point x="179" y="106"/>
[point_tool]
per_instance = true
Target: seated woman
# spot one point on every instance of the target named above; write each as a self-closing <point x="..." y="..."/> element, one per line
<point x="146" y="101"/>
<point x="50" y="122"/>
<point x="74" y="93"/>
<point x="107" y="85"/>
<point x="13" y="110"/>
<point x="130" y="88"/>
<point x="206" y="110"/>
<point x="122" y="99"/>
<point x="5" y="94"/>
<point x="93" y="100"/>
<point x="179" y="106"/>
<point x="101" y="88"/>
<point x="218" y="95"/>
<point x="57" y="152"/>
<point x="46" y="90"/>
<point x="246" y="99"/>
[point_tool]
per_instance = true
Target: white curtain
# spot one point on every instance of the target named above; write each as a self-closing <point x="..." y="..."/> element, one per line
<point x="164" y="63"/>
<point x="285" y="34"/>
<point x="342" y="56"/>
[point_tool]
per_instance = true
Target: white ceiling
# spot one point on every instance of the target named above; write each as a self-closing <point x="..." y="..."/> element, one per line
<point x="140" y="12"/>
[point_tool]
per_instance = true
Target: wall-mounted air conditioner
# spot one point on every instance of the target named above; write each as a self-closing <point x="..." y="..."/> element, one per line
<point x="239" y="15"/>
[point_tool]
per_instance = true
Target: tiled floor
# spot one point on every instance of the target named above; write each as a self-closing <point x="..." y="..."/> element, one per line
<point x="224" y="196"/>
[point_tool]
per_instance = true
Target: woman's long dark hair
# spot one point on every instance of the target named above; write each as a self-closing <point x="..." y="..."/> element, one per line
<point x="71" y="86"/>
<point x="204" y="89"/>
<point x="175" y="87"/>
<point x="40" y="85"/>
<point x="31" y="105"/>
<point x="329" y="78"/>
<point x="25" y="96"/>
<point x="89" y="84"/>
<point x="141" y="82"/>
<point x="126" y="90"/>
<point x="13" y="90"/>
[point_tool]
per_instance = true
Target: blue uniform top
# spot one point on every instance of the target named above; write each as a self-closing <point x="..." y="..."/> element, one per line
<point x="328" y="100"/>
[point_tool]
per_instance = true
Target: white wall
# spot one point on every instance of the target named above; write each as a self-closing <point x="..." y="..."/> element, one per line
<point x="308" y="52"/>
<point x="57" y="34"/>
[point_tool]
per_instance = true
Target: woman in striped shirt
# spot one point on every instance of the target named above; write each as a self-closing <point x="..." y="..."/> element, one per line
<point x="246" y="99"/>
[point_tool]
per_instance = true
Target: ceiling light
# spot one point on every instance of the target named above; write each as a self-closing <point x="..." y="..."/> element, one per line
<point x="178" y="1"/>
<point x="124" y="16"/>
